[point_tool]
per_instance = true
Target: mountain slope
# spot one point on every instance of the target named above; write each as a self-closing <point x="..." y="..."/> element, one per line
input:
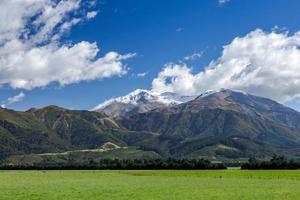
<point x="254" y="106"/>
<point x="81" y="129"/>
<point x="21" y="132"/>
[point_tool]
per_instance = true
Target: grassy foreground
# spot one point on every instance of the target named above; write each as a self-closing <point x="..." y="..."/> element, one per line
<point x="147" y="184"/>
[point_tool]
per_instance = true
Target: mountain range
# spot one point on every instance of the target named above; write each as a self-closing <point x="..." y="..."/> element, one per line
<point x="218" y="125"/>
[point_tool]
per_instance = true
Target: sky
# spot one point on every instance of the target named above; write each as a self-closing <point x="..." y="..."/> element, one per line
<point x="76" y="54"/>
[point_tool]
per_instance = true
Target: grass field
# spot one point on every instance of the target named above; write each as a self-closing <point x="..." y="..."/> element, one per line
<point x="144" y="184"/>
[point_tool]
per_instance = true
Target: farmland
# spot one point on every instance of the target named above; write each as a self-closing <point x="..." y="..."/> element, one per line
<point x="150" y="184"/>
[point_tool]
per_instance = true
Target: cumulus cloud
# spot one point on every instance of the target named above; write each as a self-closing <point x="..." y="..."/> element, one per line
<point x="262" y="63"/>
<point x="176" y="78"/>
<point x="14" y="99"/>
<point x="31" y="50"/>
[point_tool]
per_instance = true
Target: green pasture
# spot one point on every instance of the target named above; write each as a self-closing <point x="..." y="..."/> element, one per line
<point x="150" y="185"/>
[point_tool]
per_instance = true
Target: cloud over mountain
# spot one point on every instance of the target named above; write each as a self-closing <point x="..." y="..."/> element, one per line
<point x="33" y="54"/>
<point x="261" y="63"/>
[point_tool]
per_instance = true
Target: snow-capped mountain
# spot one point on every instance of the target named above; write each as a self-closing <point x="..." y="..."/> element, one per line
<point x="139" y="101"/>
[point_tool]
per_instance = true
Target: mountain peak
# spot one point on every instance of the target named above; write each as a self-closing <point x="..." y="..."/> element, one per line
<point x="131" y="98"/>
<point x="138" y="101"/>
<point x="47" y="108"/>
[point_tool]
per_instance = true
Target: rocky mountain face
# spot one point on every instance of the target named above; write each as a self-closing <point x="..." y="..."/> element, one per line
<point x="222" y="124"/>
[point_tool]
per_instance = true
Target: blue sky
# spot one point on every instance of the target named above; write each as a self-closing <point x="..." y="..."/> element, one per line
<point x="159" y="32"/>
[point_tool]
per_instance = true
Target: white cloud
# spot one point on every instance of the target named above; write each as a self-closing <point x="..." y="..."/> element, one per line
<point x="194" y="56"/>
<point x="175" y="78"/>
<point x="143" y="74"/>
<point x="32" y="53"/>
<point x="221" y="2"/>
<point x="11" y="100"/>
<point x="91" y="14"/>
<point x="16" y="98"/>
<point x="261" y="63"/>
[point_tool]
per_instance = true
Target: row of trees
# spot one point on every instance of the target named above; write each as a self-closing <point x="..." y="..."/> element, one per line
<point x="277" y="162"/>
<point x="124" y="164"/>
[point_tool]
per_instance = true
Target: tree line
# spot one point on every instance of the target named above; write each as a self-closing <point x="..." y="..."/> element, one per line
<point x="170" y="163"/>
<point x="276" y="162"/>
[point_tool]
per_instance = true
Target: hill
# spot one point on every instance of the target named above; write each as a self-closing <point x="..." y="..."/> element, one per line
<point x="56" y="130"/>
